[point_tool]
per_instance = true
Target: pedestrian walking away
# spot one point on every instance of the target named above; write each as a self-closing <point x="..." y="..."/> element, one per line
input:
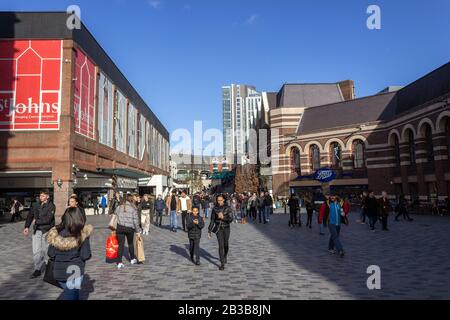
<point x="309" y="210"/>
<point x="402" y="210"/>
<point x="43" y="216"/>
<point x="95" y="204"/>
<point x="293" y="210"/>
<point x="221" y="218"/>
<point x="69" y="248"/>
<point x="172" y="205"/>
<point x="195" y="224"/>
<point x="104" y="204"/>
<point x="127" y="225"/>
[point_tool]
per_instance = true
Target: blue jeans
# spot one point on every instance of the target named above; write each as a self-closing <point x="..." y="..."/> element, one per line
<point x="206" y="212"/>
<point x="322" y="228"/>
<point x="267" y="213"/>
<point x="173" y="220"/>
<point x="334" y="238"/>
<point x="260" y="214"/>
<point x="362" y="215"/>
<point x="72" y="289"/>
<point x="243" y="212"/>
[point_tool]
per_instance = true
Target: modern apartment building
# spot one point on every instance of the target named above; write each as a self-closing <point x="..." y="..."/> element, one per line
<point x="241" y="111"/>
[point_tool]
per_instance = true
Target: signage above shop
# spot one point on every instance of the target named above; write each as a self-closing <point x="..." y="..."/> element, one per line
<point x="325" y="175"/>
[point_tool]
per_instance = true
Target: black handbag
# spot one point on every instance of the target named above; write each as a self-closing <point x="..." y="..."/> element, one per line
<point x="49" y="275"/>
<point x="216" y="227"/>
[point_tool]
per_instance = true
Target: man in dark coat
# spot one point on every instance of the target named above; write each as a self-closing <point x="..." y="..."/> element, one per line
<point x="385" y="209"/>
<point x="43" y="216"/>
<point x="372" y="209"/>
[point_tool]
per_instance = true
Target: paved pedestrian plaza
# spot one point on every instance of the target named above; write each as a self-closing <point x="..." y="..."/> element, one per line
<point x="265" y="262"/>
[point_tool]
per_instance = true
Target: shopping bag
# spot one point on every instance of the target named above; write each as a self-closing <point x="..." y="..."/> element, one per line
<point x="112" y="247"/>
<point x="139" y="248"/>
<point x="49" y="275"/>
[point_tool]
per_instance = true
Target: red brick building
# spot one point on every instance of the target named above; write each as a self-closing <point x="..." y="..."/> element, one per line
<point x="394" y="141"/>
<point x="69" y="119"/>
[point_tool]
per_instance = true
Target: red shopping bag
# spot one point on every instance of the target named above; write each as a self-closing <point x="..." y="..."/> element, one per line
<point x="112" y="247"/>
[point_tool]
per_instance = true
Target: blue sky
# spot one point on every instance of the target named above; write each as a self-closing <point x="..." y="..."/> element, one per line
<point x="179" y="53"/>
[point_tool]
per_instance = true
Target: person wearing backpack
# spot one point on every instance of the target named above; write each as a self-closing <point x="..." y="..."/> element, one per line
<point x="69" y="248"/>
<point x="332" y="211"/>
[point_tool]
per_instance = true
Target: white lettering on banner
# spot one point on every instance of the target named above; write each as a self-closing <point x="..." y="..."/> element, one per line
<point x="31" y="107"/>
<point x="127" y="183"/>
<point x="325" y="174"/>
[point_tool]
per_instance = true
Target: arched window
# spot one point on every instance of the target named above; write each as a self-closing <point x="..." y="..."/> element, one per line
<point x="335" y="154"/>
<point x="295" y="161"/>
<point x="314" y="152"/>
<point x="429" y="143"/>
<point x="397" y="150"/>
<point x="412" y="147"/>
<point x="358" y="154"/>
<point x="447" y="133"/>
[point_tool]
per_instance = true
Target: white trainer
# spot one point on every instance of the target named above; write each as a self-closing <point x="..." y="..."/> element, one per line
<point x="120" y="266"/>
<point x="134" y="261"/>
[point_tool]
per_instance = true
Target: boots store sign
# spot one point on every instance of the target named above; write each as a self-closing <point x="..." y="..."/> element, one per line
<point x="325" y="175"/>
<point x="30" y="84"/>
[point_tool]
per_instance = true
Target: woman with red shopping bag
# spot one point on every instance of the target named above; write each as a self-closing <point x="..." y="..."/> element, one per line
<point x="127" y="226"/>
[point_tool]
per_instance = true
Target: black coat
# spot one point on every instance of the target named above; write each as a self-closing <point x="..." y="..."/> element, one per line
<point x="194" y="230"/>
<point x="227" y="217"/>
<point x="293" y="204"/>
<point x="67" y="252"/>
<point x="371" y="206"/>
<point x="268" y="201"/>
<point x="44" y="215"/>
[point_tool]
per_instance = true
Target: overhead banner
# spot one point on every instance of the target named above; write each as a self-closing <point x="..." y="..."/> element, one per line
<point x="84" y="97"/>
<point x="30" y="84"/>
<point x="105" y="110"/>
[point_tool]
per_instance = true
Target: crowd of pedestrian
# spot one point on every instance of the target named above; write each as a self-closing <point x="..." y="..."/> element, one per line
<point x="59" y="247"/>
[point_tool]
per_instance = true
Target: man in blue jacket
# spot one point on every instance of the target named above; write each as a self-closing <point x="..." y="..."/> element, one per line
<point x="104" y="204"/>
<point x="332" y="211"/>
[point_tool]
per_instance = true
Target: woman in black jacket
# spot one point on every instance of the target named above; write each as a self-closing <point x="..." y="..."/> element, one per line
<point x="221" y="218"/>
<point x="69" y="247"/>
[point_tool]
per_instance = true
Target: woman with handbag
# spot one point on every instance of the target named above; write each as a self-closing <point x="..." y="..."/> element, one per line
<point x="127" y="226"/>
<point x="69" y="249"/>
<point x="221" y="218"/>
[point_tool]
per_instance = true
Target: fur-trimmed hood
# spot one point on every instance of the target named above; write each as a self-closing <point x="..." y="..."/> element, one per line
<point x="61" y="243"/>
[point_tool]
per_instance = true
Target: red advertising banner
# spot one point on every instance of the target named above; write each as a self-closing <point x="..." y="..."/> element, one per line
<point x="30" y="84"/>
<point x="84" y="98"/>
